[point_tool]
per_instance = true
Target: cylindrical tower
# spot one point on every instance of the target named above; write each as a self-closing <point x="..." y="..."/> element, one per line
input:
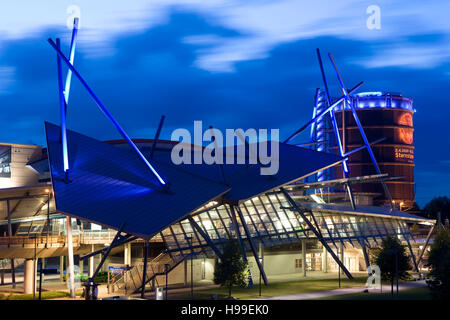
<point x="382" y="115"/>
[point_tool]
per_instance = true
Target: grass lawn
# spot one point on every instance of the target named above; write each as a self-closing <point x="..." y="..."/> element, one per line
<point x="274" y="289"/>
<point x="422" y="293"/>
<point x="45" y="295"/>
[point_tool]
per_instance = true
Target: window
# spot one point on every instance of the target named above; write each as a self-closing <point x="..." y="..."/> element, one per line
<point x="298" y="263"/>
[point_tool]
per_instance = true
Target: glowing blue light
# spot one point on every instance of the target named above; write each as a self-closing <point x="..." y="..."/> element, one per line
<point x="367" y="94"/>
<point x="71" y="59"/>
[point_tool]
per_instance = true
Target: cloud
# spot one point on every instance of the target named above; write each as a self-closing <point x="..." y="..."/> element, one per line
<point x="263" y="25"/>
<point x="407" y="56"/>
<point x="6" y="79"/>
<point x="192" y="67"/>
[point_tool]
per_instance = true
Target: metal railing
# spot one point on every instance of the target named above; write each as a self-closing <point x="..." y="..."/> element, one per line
<point x="100" y="235"/>
<point x="5" y="264"/>
<point x="131" y="280"/>
<point x="38" y="240"/>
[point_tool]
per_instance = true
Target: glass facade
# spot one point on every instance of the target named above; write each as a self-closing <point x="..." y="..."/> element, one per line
<point x="270" y="220"/>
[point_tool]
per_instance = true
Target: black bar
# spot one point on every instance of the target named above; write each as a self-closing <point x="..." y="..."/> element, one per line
<point x="107" y="252"/>
<point x="155" y="140"/>
<point x="205" y="236"/>
<point x="321" y="239"/>
<point x="144" y="272"/>
<point x="241" y="241"/>
<point x="120" y="242"/>
<point x="292" y="136"/>
<point x="252" y="246"/>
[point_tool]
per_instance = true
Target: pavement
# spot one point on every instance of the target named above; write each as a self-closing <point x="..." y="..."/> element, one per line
<point x="336" y="292"/>
<point x="52" y="283"/>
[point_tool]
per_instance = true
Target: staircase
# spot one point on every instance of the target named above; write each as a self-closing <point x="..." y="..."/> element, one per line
<point x="131" y="281"/>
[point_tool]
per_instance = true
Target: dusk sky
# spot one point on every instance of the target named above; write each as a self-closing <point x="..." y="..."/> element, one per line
<point x="231" y="64"/>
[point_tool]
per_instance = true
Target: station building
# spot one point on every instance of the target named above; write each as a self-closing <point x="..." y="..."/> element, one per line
<point x="282" y="229"/>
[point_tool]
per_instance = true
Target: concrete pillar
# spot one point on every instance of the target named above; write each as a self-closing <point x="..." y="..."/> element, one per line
<point x="325" y="260"/>
<point x="127" y="253"/>
<point x="28" y="278"/>
<point x="61" y="268"/>
<point x="304" y="257"/>
<point x="66" y="268"/>
<point x="35" y="277"/>
<point x="71" y="278"/>
<point x="91" y="262"/>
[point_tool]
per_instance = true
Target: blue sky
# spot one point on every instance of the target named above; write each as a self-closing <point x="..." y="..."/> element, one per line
<point x="231" y="64"/>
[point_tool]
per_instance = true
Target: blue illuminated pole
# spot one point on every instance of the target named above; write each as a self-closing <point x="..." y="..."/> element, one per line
<point x="332" y="115"/>
<point x="64" y="98"/>
<point x="321" y="114"/>
<point x="71" y="59"/>
<point x="361" y="130"/>
<point x="336" y="131"/>
<point x="106" y="113"/>
<point x="62" y="109"/>
<point x="320" y="134"/>
<point x="314" y="115"/>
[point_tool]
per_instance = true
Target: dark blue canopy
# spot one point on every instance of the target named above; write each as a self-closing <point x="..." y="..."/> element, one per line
<point x="111" y="185"/>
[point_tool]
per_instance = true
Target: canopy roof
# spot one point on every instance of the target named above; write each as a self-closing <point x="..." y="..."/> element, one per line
<point x="110" y="185"/>
<point x="363" y="210"/>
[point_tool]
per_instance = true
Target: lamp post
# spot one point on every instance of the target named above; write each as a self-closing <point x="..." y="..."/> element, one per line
<point x="260" y="275"/>
<point x="396" y="269"/>
<point x="40" y="278"/>
<point x="189" y="241"/>
<point x="166" y="267"/>
<point x="261" y="262"/>
<point x="339" y="270"/>
<point x="395" y="252"/>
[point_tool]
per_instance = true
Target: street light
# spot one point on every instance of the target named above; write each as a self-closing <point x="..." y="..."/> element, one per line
<point x="395" y="251"/>
<point x="189" y="241"/>
<point x="339" y="268"/>
<point x="40" y="278"/>
<point x="260" y="275"/>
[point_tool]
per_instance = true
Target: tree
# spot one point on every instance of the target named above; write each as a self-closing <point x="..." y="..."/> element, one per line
<point x="439" y="261"/>
<point x="390" y="248"/>
<point x="231" y="268"/>
<point x="438" y="204"/>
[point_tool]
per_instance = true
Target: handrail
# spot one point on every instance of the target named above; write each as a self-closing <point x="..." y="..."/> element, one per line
<point x="38" y="240"/>
<point x="132" y="279"/>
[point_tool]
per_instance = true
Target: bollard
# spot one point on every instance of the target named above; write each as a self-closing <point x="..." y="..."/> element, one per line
<point x="159" y="293"/>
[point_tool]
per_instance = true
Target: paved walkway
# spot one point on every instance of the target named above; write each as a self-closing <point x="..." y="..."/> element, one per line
<point x="336" y="292"/>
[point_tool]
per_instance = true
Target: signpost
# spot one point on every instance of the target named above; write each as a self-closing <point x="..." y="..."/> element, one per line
<point x="115" y="269"/>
